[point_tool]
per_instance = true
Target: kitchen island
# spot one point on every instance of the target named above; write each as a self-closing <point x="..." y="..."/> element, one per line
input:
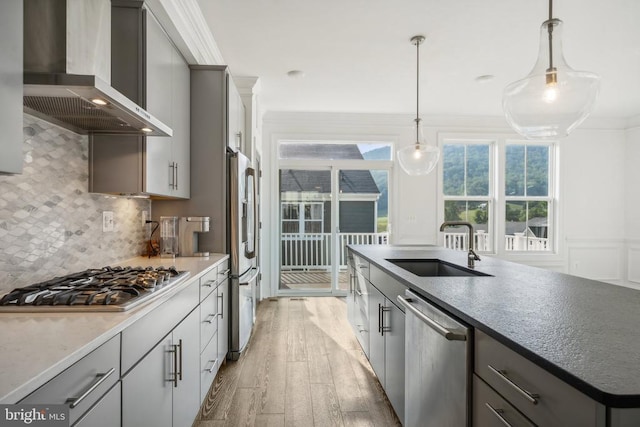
<point x="581" y="331"/>
<point x="36" y="347"/>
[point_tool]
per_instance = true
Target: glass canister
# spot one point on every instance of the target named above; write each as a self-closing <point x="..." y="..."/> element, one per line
<point x="168" y="236"/>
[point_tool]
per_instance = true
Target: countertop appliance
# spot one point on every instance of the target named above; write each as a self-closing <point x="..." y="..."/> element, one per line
<point x="188" y="229"/>
<point x="437" y="366"/>
<point x="104" y="289"/>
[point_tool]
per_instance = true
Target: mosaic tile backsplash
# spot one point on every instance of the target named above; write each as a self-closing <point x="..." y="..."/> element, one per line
<point x="50" y="225"/>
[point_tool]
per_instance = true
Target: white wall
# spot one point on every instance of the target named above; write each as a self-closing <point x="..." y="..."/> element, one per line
<point x="632" y="207"/>
<point x="592" y="190"/>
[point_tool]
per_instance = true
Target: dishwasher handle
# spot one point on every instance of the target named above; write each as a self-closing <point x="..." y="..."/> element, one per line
<point x="450" y="335"/>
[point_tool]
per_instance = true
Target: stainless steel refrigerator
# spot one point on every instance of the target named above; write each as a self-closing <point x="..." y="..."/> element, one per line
<point x="223" y="187"/>
<point x="242" y="238"/>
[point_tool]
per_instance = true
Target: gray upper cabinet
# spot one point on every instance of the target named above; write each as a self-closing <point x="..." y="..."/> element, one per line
<point x="236" y="119"/>
<point x="155" y="166"/>
<point x="11" y="86"/>
<point x="167" y="159"/>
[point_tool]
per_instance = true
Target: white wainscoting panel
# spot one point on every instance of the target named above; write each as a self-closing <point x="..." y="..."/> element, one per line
<point x="597" y="260"/>
<point x="633" y="262"/>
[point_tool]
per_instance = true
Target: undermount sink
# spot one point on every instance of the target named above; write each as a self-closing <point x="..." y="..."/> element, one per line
<point x="434" y="267"/>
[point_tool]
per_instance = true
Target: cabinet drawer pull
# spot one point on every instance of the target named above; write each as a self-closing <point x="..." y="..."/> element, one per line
<point x="209" y="318"/>
<point x="210" y="370"/>
<point x="498" y="414"/>
<point x="209" y="283"/>
<point x="384" y="327"/>
<point x="100" y="378"/>
<point x="174" y="376"/>
<point x="531" y="397"/>
<point x="225" y="273"/>
<point x="365" y="266"/>
<point x="359" y="293"/>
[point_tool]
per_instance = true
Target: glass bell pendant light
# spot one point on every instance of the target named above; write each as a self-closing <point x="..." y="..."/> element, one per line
<point x="418" y="158"/>
<point x="554" y="98"/>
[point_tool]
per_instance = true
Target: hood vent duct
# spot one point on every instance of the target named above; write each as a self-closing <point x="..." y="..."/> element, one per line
<point x="67" y="70"/>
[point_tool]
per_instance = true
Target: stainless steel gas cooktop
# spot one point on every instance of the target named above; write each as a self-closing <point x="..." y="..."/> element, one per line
<point x="105" y="289"/>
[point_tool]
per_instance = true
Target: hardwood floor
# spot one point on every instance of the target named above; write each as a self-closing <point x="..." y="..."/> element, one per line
<point x="303" y="367"/>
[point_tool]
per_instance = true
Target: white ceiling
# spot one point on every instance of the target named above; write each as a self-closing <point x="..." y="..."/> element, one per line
<point x="357" y="57"/>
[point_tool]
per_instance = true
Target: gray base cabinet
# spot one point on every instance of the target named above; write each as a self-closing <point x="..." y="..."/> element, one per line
<point x="378" y="325"/>
<point x="541" y="397"/>
<point x="161" y="390"/>
<point x="83" y="384"/>
<point x="386" y="347"/>
<point x="147" y="390"/>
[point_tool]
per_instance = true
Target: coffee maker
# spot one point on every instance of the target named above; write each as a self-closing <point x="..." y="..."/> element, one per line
<point x="188" y="230"/>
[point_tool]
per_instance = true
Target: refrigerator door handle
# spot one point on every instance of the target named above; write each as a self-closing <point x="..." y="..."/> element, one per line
<point x="254" y="214"/>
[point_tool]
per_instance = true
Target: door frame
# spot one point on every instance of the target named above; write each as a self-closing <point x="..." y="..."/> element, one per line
<point x="334" y="166"/>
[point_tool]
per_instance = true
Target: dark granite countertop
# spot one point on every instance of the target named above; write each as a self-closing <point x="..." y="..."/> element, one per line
<point x="583" y="331"/>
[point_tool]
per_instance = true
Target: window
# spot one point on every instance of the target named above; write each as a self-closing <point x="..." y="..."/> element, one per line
<point x="302" y="218"/>
<point x="499" y="185"/>
<point x="467" y="192"/>
<point x="526" y="194"/>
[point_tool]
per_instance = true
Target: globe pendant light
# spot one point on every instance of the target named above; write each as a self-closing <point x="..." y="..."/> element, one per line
<point x="418" y="158"/>
<point x="554" y="98"/>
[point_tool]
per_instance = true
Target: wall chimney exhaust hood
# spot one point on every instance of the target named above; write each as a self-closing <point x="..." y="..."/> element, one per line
<point x="67" y="70"/>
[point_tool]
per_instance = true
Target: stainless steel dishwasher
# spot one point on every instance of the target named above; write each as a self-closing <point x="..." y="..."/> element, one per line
<point x="437" y="366"/>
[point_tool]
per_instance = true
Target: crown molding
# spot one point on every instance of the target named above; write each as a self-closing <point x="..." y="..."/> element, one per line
<point x="185" y="24"/>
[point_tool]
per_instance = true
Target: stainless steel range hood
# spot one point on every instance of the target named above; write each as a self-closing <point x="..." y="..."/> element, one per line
<point x="67" y="70"/>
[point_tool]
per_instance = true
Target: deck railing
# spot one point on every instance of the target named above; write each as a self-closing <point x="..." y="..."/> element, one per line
<point x="313" y="250"/>
<point x="482" y="242"/>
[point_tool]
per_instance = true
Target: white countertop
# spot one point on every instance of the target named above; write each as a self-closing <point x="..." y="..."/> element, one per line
<point x="35" y="347"/>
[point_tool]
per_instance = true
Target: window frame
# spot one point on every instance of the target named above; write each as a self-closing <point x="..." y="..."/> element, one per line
<point x="489" y="198"/>
<point x="302" y="219"/>
<point x="497" y="181"/>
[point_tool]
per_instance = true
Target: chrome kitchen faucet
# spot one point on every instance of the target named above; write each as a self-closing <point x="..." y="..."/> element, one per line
<point x="472" y="256"/>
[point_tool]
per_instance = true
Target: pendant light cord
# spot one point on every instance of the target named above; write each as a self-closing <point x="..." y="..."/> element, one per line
<point x="418" y="92"/>
<point x="550" y="31"/>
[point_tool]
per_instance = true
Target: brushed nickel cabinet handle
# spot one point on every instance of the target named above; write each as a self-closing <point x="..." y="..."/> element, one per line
<point x="531" y="397"/>
<point x="210" y="370"/>
<point x="174" y="378"/>
<point x="209" y="318"/>
<point x="100" y="378"/>
<point x="498" y="414"/>
<point x="209" y="283"/>
<point x="180" y="354"/>
<point x="221" y="313"/>
<point x="384" y="328"/>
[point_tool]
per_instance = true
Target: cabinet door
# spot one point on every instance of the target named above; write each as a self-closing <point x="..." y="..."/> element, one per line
<point x="159" y="70"/>
<point x="223" y="321"/>
<point x="160" y="166"/>
<point x="147" y="389"/>
<point x="160" y="56"/>
<point x="181" y="125"/>
<point x="393" y="327"/>
<point x="235" y="132"/>
<point x="376" y="339"/>
<point x="11" y="87"/>
<point x="185" y="396"/>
